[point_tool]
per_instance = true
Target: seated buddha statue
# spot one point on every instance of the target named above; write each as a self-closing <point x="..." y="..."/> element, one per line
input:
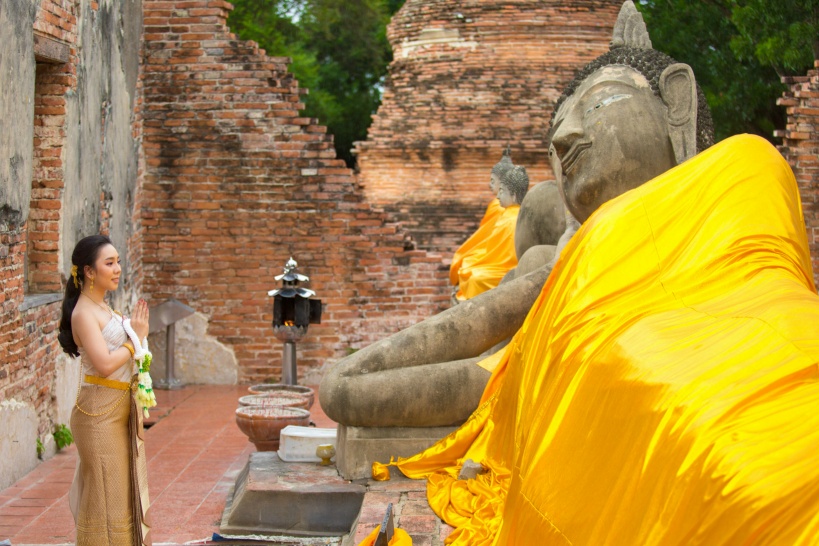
<point x="483" y="267"/>
<point x="663" y="387"/>
<point x="434" y="372"/>
<point x="479" y="236"/>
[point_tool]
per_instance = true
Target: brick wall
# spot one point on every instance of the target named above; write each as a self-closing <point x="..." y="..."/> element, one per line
<point x="800" y="146"/>
<point x="29" y="252"/>
<point x="80" y="182"/>
<point x="53" y="81"/>
<point x="467" y="79"/>
<point x="236" y="182"/>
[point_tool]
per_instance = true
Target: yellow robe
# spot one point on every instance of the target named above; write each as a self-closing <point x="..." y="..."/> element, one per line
<point x="493" y="211"/>
<point x="664" y="389"/>
<point x="490" y="258"/>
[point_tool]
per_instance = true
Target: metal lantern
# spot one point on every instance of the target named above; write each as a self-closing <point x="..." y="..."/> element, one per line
<point x="293" y="312"/>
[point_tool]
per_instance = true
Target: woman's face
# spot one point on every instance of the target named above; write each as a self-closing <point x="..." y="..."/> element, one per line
<point x="107" y="270"/>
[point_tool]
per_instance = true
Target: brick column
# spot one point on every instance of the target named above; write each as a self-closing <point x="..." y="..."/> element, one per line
<point x="800" y="146"/>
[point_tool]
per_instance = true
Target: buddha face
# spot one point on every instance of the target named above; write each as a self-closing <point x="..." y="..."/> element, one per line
<point x="609" y="137"/>
<point x="505" y="196"/>
<point x="494" y="183"/>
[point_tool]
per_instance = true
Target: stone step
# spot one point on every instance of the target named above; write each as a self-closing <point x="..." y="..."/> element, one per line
<point x="273" y="497"/>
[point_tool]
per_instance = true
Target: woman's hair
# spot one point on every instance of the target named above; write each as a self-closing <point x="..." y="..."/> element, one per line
<point x="85" y="254"/>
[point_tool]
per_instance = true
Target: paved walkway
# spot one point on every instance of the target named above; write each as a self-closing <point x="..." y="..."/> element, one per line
<point x="195" y="451"/>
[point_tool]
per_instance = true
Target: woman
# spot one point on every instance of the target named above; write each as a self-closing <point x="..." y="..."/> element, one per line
<point x="109" y="496"/>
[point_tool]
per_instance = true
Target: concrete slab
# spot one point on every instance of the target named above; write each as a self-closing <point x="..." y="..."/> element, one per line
<point x="273" y="497"/>
<point x="358" y="447"/>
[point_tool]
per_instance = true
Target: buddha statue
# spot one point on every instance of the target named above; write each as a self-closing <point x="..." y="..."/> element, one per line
<point x="476" y="242"/>
<point x="662" y="389"/>
<point x="494" y="255"/>
<point x="628" y="116"/>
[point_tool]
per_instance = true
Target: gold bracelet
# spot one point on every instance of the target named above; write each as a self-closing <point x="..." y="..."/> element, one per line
<point x="130" y="348"/>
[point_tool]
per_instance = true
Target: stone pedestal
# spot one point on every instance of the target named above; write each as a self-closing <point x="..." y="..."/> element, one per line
<point x="358" y="447"/>
<point x="272" y="497"/>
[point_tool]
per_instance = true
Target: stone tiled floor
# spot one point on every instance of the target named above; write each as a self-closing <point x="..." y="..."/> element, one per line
<point x="195" y="451"/>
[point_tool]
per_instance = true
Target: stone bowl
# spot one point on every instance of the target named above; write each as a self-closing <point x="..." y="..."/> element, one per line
<point x="270" y="388"/>
<point x="263" y="424"/>
<point x="276" y="398"/>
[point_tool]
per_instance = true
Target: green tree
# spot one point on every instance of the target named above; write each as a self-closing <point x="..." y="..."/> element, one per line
<point x="781" y="34"/>
<point x="340" y="54"/>
<point x="737" y="49"/>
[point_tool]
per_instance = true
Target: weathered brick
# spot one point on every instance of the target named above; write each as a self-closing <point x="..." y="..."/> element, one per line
<point x="800" y="146"/>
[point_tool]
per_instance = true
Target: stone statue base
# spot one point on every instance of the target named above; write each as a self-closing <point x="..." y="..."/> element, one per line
<point x="358" y="447"/>
<point x="272" y="497"/>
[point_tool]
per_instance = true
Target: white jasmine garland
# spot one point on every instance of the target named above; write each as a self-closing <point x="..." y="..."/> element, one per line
<point x="145" y="393"/>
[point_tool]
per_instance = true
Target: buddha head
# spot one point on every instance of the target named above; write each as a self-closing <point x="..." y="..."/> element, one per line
<point x="513" y="186"/>
<point x="499" y="169"/>
<point x="628" y="116"/>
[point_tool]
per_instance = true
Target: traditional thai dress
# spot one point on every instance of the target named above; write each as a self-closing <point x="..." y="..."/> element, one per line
<point x="490" y="258"/>
<point x="664" y="388"/>
<point x="109" y="496"/>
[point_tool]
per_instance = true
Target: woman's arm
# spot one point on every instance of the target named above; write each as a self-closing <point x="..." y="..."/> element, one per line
<point x="87" y="331"/>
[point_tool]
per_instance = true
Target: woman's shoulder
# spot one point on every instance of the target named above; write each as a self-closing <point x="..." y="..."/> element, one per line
<point x="86" y="316"/>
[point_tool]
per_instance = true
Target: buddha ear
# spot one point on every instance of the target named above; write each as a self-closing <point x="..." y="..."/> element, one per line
<point x="678" y="90"/>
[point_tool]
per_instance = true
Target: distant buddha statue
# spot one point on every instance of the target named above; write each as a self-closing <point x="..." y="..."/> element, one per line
<point x="663" y="387"/>
<point x="478" y="238"/>
<point x="483" y="267"/>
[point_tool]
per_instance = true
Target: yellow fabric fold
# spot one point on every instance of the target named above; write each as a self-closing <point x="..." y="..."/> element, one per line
<point x="664" y="388"/>
<point x="493" y="211"/>
<point x="491" y="256"/>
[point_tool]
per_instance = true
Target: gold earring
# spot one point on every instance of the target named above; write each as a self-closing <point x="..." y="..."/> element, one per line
<point x="91" y="288"/>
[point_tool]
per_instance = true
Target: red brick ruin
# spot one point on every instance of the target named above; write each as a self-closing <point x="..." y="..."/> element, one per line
<point x="468" y="79"/>
<point x="236" y="182"/>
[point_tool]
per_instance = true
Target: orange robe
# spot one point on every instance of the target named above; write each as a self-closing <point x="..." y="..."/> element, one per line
<point x="490" y="257"/>
<point x="664" y="388"/>
<point x="493" y="211"/>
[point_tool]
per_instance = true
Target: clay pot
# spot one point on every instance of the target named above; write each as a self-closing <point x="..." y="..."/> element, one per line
<point x="266" y="388"/>
<point x="263" y="424"/>
<point x="277" y="398"/>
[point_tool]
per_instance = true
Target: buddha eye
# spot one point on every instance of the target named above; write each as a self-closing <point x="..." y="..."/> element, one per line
<point x="607" y="101"/>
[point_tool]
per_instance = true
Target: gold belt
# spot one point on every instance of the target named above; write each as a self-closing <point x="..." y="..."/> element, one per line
<point x="110" y="383"/>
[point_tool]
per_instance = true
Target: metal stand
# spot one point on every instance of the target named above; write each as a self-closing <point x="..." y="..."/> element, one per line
<point x="289" y="375"/>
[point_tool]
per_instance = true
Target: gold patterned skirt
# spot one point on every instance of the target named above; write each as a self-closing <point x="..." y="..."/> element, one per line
<point x="109" y="496"/>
